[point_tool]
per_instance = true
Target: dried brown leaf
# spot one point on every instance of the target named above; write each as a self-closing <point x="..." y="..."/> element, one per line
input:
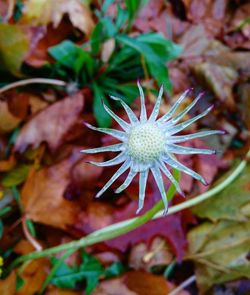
<point x="51" y="124"/>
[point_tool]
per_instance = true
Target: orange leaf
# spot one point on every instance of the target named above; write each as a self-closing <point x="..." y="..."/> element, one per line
<point x="8" y="286"/>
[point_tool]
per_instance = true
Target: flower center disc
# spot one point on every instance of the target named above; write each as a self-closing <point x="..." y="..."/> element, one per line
<point x="146" y="142"/>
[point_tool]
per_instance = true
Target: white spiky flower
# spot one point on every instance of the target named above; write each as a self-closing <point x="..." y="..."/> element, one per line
<point x="149" y="144"/>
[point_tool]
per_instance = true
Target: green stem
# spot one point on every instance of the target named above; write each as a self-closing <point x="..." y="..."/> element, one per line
<point x="126" y="226"/>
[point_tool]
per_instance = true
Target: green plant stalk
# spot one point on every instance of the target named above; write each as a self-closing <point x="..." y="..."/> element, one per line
<point x="126" y="226"/>
<point x="101" y="235"/>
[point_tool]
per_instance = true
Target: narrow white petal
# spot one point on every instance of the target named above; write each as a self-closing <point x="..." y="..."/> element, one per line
<point x="110" y="148"/>
<point x="127" y="181"/>
<point x="182" y="138"/>
<point x="142" y="188"/>
<point x="156" y="109"/>
<point x="168" y="174"/>
<point x="131" y="115"/>
<point x="115" y="133"/>
<point x="115" y="161"/>
<point x="169" y="114"/>
<point x="185" y="124"/>
<point x="143" y="115"/>
<point x="187" y="109"/>
<point x="118" y="173"/>
<point x="171" y="161"/>
<point x="125" y="126"/>
<point x="158" y="179"/>
<point x="176" y="149"/>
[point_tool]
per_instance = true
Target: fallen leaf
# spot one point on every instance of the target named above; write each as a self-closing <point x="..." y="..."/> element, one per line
<point x="244" y="105"/>
<point x="142" y="257"/>
<point x="143" y="283"/>
<point x="194" y="41"/>
<point x="227" y="204"/>
<point x="209" y="12"/>
<point x="58" y="291"/>
<point x="46" y="11"/>
<point x="220" y="252"/>
<point x="8" y="121"/>
<point x="34" y="275"/>
<point x="51" y="124"/>
<point x="41" y="38"/>
<point x="14" y="46"/>
<point x="220" y="249"/>
<point x="113" y="287"/>
<point x="42" y="195"/>
<point x="99" y="215"/>
<point x="8" y="285"/>
<point x="6" y="165"/>
<point x="220" y="79"/>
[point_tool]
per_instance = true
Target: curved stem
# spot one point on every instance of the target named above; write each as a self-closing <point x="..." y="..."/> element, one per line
<point x="213" y="191"/>
<point x="126" y="226"/>
<point x="32" y="81"/>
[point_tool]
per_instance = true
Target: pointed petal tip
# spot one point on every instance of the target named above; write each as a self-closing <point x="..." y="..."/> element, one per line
<point x="113" y="97"/>
<point x="210" y="108"/>
<point x="138" y="210"/>
<point x="97" y="196"/>
<point x="224" y="132"/>
<point x="205" y="182"/>
<point x="87" y="125"/>
<point x="182" y="194"/>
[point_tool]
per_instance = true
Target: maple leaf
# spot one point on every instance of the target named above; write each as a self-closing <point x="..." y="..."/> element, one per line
<point x="51" y="124"/>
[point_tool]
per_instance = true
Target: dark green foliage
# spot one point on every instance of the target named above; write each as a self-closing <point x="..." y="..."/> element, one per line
<point x="129" y="60"/>
<point x="89" y="271"/>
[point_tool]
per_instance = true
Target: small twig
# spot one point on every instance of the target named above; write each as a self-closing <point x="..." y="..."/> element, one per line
<point x="183" y="285"/>
<point x="32" y="81"/>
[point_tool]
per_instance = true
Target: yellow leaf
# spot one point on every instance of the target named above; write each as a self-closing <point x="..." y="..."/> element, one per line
<point x="14" y="46"/>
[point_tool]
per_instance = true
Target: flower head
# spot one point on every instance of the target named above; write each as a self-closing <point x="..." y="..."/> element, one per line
<point x="149" y="144"/>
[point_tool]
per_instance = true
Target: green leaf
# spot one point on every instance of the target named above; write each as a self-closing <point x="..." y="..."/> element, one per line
<point x="96" y="38"/>
<point x="14" y="46"/>
<point x="106" y="5"/>
<point x="166" y="49"/>
<point x="72" y="56"/>
<point x="228" y="204"/>
<point x="5" y="210"/>
<point x="156" y="64"/>
<point x="16" y="176"/>
<point x="122" y="17"/>
<point x="31" y="227"/>
<point x="114" y="270"/>
<point x="133" y="7"/>
<point x="129" y="92"/>
<point x="102" y="117"/>
<point x="16" y="196"/>
<point x="90" y="270"/>
<point x="19" y="282"/>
